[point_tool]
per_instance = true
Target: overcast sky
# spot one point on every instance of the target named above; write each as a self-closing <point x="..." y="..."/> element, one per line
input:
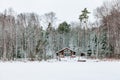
<point x="66" y="10"/>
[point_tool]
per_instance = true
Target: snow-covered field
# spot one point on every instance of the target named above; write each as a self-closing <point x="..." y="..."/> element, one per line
<point x="63" y="70"/>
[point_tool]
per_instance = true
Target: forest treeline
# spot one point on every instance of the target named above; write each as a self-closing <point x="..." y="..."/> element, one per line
<point x="22" y="35"/>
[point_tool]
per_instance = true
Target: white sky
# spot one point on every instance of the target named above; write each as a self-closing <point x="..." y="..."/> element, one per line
<point x="66" y="10"/>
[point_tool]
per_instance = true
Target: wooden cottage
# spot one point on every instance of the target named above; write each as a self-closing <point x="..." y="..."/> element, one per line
<point x="66" y="52"/>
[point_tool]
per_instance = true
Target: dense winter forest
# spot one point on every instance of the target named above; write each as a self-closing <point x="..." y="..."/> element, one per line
<point x="22" y="36"/>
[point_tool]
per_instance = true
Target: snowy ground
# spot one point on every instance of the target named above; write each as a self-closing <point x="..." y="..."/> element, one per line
<point x="64" y="70"/>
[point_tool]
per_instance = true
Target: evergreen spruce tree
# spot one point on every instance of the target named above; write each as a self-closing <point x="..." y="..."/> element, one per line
<point x="83" y="19"/>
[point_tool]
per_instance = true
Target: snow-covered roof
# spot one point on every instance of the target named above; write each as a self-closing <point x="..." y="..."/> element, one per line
<point x="65" y="49"/>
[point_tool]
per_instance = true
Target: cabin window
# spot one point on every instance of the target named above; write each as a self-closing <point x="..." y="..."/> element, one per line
<point x="56" y="54"/>
<point x="82" y="54"/>
<point x="62" y="53"/>
<point x="73" y="53"/>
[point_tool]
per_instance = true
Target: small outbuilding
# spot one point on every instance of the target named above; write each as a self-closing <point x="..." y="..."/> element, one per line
<point x="66" y="52"/>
